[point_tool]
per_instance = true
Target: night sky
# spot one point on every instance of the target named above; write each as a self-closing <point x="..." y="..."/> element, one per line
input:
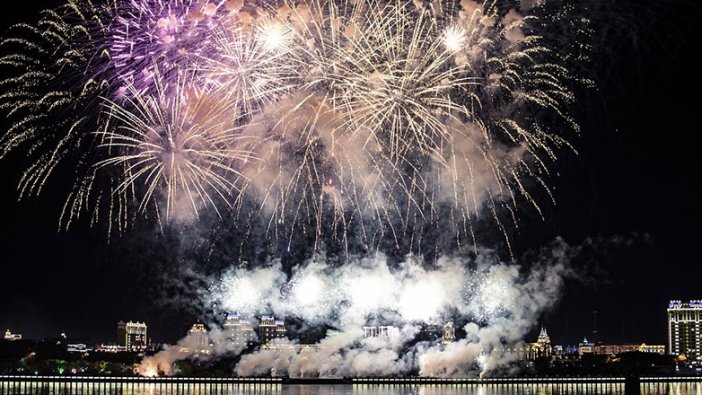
<point x="630" y="199"/>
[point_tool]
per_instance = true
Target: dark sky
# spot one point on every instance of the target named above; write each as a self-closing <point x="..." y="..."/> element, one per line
<point x="631" y="196"/>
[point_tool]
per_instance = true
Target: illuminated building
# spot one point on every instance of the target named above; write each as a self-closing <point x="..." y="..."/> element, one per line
<point x="586" y="347"/>
<point x="379" y="331"/>
<point x="449" y="333"/>
<point x="269" y="328"/>
<point x="110" y="348"/>
<point x="197" y="340"/>
<point x="428" y="332"/>
<point x="132" y="335"/>
<point x="9" y="336"/>
<point x="78" y="347"/>
<point x="684" y="332"/>
<point x="239" y="331"/>
<point x="652" y="348"/>
<point x="541" y="348"/>
<point x="614" y="349"/>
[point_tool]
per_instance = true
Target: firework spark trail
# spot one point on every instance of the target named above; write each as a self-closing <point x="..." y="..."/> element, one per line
<point x="178" y="141"/>
<point x="373" y="117"/>
<point x="243" y="70"/>
<point x="51" y="95"/>
<point x="160" y="34"/>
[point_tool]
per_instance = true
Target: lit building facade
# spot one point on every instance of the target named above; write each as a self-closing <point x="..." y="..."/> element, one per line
<point x="449" y="333"/>
<point x="133" y="336"/>
<point x="239" y="331"/>
<point x="380" y="331"/>
<point x="445" y="333"/>
<point x="9" y="336"/>
<point x="78" y="347"/>
<point x="614" y="349"/>
<point x="113" y="348"/>
<point x="270" y="328"/>
<point x="586" y="347"/>
<point x="197" y="340"/>
<point x="541" y="348"/>
<point x="684" y="330"/>
<point x="652" y="348"/>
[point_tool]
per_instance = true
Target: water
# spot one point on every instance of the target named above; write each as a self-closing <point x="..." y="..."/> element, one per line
<point x="142" y="388"/>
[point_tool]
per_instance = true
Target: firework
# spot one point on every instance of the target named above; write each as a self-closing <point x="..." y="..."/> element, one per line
<point x="244" y="70"/>
<point x="158" y="34"/>
<point x="177" y="141"/>
<point x="56" y="74"/>
<point x="375" y="118"/>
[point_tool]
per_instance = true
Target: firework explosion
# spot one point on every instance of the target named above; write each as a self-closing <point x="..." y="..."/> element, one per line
<point x="375" y="117"/>
<point x="359" y="123"/>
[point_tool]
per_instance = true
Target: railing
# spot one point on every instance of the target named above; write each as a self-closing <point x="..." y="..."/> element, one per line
<point x="404" y="380"/>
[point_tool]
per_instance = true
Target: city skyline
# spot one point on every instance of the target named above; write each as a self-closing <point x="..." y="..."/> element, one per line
<point x="683" y="317"/>
<point x="240" y="333"/>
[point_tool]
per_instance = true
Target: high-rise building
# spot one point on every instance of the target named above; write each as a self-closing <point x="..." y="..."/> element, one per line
<point x="197" y="340"/>
<point x="685" y="330"/>
<point x="239" y="331"/>
<point x="270" y="328"/>
<point x="132" y="336"/>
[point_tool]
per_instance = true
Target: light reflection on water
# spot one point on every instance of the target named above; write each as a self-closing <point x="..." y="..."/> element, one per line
<point x="102" y="388"/>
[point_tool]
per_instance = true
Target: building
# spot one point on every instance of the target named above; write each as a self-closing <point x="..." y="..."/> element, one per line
<point x="9" y="336"/>
<point x="78" y="347"/>
<point x="239" y="331"/>
<point x="197" y="340"/>
<point x="615" y="349"/>
<point x="270" y="328"/>
<point x="586" y="347"/>
<point x="132" y="336"/>
<point x="445" y="333"/>
<point x="380" y="331"/>
<point x="541" y="348"/>
<point x="113" y="348"/>
<point x="684" y="331"/>
<point x="652" y="348"/>
<point x="449" y="333"/>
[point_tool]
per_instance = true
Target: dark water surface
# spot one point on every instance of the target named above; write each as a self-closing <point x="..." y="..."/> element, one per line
<point x="142" y="388"/>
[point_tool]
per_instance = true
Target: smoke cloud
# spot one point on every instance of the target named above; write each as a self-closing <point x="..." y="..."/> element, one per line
<point x="162" y="362"/>
<point x="494" y="303"/>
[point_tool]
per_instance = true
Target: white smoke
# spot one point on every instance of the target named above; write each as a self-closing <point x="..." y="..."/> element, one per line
<point x="163" y="361"/>
<point x="345" y="296"/>
<point x="501" y="302"/>
<point x="512" y="303"/>
<point x="344" y="355"/>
